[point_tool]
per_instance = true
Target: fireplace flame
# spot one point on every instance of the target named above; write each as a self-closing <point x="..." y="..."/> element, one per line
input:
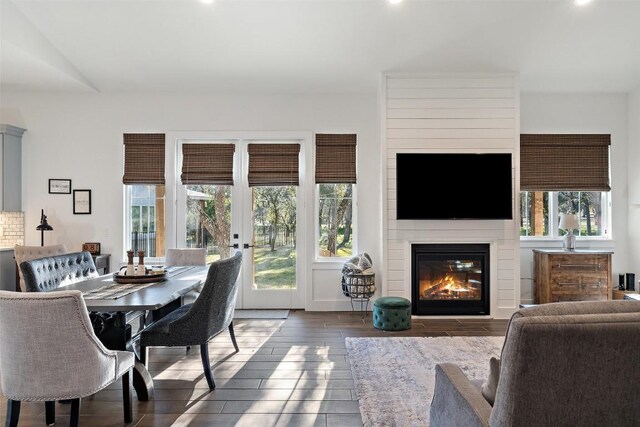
<point x="449" y="283"/>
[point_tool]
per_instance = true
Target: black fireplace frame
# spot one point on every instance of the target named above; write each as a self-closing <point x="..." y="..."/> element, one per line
<point x="445" y="251"/>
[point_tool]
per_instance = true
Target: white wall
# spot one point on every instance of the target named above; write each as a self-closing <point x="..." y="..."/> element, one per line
<point x="451" y="113"/>
<point x="633" y="163"/>
<point x="79" y="137"/>
<point x="584" y="113"/>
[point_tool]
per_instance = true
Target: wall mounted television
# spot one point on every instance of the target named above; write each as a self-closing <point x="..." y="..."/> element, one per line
<point x="454" y="186"/>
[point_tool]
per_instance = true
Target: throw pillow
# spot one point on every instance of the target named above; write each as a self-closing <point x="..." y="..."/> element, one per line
<point x="491" y="384"/>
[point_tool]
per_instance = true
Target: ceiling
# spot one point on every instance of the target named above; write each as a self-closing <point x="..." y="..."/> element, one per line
<point x="313" y="46"/>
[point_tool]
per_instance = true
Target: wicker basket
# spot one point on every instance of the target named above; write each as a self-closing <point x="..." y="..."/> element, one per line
<point x="359" y="286"/>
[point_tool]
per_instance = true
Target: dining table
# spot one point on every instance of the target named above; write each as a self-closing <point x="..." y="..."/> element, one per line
<point x="120" y="311"/>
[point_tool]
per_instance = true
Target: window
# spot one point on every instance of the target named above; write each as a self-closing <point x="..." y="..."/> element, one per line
<point x="144" y="181"/>
<point x="335" y="180"/>
<point x="540" y="212"/>
<point x="145" y="219"/>
<point x="335" y="220"/>
<point x="564" y="174"/>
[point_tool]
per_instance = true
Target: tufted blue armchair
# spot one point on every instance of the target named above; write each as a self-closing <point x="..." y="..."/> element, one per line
<point x="195" y="324"/>
<point x="47" y="274"/>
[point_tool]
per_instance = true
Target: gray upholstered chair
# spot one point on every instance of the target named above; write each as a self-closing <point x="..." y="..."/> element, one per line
<point x="562" y="364"/>
<point x="46" y="274"/>
<point x="27" y="253"/>
<point x="197" y="323"/>
<point x="49" y="352"/>
<point x="186" y="256"/>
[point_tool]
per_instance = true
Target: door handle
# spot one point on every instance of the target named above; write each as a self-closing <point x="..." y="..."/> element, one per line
<point x="247" y="246"/>
<point x="234" y="246"/>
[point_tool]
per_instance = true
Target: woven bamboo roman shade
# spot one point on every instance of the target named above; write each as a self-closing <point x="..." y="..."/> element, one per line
<point x="207" y="164"/>
<point x="335" y="158"/>
<point x="273" y="164"/>
<point x="143" y="158"/>
<point x="564" y="162"/>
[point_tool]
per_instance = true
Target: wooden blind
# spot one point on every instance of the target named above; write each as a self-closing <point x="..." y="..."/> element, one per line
<point x="335" y="158"/>
<point x="143" y="158"/>
<point x="564" y="162"/>
<point x="207" y="164"/>
<point x="273" y="164"/>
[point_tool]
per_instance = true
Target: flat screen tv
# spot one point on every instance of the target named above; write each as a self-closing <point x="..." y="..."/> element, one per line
<point x="453" y="186"/>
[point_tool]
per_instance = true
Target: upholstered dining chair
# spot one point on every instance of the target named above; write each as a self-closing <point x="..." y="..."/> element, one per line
<point x="197" y="323"/>
<point x="49" y="352"/>
<point x="186" y="256"/>
<point x="27" y="253"/>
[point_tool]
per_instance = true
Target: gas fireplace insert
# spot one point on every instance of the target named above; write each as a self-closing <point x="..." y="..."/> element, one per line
<point x="450" y="279"/>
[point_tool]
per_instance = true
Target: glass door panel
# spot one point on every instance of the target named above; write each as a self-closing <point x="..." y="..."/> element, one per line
<point x="208" y="219"/>
<point x="274" y="238"/>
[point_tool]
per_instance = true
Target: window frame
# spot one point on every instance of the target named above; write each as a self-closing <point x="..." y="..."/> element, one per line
<point x="554" y="217"/>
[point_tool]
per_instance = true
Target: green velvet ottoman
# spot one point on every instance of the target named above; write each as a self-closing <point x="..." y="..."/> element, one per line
<point x="392" y="314"/>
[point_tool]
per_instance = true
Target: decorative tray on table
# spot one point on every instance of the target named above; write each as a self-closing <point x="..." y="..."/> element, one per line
<point x="150" y="277"/>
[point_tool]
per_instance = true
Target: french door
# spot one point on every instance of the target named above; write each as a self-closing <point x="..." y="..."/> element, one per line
<point x="264" y="222"/>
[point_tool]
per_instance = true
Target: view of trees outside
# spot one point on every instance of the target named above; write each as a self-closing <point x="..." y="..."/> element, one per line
<point x="535" y="215"/>
<point x="588" y="206"/>
<point x="209" y="219"/>
<point x="274" y="237"/>
<point x="335" y="220"/>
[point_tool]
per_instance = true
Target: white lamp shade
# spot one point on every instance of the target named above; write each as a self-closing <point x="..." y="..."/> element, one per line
<point x="569" y="222"/>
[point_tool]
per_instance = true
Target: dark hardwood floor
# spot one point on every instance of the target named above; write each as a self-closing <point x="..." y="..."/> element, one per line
<point x="289" y="372"/>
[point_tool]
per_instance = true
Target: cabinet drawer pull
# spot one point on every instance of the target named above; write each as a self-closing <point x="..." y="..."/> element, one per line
<point x="595" y="266"/>
<point x="581" y="285"/>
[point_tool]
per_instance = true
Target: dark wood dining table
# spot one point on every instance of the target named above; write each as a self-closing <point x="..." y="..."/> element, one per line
<point x="145" y="305"/>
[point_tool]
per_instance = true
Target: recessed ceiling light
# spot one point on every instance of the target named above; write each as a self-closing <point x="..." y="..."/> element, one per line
<point x="394" y="1"/>
<point x="582" y="2"/>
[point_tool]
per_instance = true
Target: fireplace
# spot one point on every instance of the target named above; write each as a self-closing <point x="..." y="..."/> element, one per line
<point x="450" y="279"/>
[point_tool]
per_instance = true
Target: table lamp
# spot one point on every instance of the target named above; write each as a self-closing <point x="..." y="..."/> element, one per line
<point x="569" y="222"/>
<point x="44" y="226"/>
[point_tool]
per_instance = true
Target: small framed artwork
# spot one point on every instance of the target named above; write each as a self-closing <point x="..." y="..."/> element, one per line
<point x="92" y="247"/>
<point x="82" y="202"/>
<point x="59" y="186"/>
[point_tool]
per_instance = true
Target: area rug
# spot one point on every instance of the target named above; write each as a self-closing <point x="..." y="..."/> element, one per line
<point x="395" y="377"/>
<point x="261" y="314"/>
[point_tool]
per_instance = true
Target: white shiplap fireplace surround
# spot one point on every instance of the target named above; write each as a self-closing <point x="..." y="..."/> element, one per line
<point x="453" y="113"/>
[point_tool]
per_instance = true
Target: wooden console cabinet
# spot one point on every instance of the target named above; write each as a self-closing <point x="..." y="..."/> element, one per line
<point x="578" y="275"/>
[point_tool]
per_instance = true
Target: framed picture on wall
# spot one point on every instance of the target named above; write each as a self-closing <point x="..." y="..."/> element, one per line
<point x="59" y="186"/>
<point x="82" y="202"/>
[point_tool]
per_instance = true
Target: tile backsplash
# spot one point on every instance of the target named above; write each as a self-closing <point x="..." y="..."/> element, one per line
<point x="11" y="229"/>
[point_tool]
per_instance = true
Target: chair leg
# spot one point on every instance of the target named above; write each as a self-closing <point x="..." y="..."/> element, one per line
<point x="204" y="354"/>
<point x="75" y="412"/>
<point x="50" y="412"/>
<point x="233" y="336"/>
<point x="126" y="396"/>
<point x="13" y="413"/>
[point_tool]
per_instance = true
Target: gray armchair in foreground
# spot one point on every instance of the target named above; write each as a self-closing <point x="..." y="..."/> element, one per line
<point x="49" y="352"/>
<point x="197" y="323"/>
<point x="562" y="364"/>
